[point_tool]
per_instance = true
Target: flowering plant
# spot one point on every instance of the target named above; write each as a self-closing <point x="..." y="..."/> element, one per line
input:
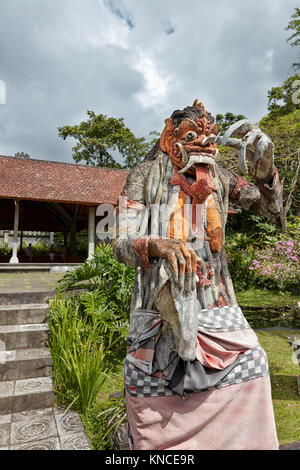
<point x="278" y="265"/>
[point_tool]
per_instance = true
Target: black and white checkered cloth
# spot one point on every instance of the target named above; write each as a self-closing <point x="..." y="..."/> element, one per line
<point x="140" y="384"/>
<point x="250" y="365"/>
<point x="222" y="319"/>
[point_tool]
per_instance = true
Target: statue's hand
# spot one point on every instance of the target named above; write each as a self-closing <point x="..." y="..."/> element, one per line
<point x="182" y="258"/>
<point x="255" y="148"/>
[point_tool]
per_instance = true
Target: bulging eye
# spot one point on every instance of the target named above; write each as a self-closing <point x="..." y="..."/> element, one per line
<point x="191" y="135"/>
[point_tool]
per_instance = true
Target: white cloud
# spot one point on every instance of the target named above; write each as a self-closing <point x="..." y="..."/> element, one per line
<point x="156" y="83"/>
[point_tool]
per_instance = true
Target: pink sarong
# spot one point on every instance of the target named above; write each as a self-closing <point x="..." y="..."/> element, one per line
<point x="238" y="417"/>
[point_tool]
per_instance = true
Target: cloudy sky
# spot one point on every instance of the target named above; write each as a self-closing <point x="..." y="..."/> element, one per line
<point x="137" y="59"/>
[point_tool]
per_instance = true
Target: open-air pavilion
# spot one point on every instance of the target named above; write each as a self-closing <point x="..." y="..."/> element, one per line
<point x="46" y="196"/>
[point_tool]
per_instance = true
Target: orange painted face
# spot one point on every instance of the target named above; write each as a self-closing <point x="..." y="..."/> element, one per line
<point x="186" y="142"/>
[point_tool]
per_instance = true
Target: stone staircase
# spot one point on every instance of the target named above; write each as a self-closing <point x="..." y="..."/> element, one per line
<point x="28" y="418"/>
<point x="26" y="365"/>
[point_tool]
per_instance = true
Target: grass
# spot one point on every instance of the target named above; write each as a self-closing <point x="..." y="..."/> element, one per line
<point x="95" y="426"/>
<point x="283" y="373"/>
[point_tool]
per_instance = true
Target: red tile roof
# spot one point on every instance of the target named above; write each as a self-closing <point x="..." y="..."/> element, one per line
<point x="43" y="180"/>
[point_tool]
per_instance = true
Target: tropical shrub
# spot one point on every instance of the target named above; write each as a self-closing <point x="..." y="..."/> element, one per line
<point x="240" y="253"/>
<point x="249" y="235"/>
<point x="4" y="248"/>
<point x="89" y="329"/>
<point x="113" y="280"/>
<point x="278" y="266"/>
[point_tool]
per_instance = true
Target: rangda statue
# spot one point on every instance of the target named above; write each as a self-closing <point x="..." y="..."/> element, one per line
<point x="195" y="374"/>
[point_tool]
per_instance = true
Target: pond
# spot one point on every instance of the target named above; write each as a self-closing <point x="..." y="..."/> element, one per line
<point x="269" y="316"/>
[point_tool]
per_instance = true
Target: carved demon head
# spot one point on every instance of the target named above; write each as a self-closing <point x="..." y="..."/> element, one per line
<point x="188" y="138"/>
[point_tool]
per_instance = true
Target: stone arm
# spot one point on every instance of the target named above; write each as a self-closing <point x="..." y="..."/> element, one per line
<point x="255" y="150"/>
<point x="263" y="198"/>
<point x="130" y="245"/>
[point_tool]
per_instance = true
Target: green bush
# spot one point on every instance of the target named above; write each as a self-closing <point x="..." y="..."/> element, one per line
<point x="88" y="330"/>
<point x="4" y="249"/>
<point x="78" y="357"/>
<point x="86" y="341"/>
<point x="250" y="237"/>
<point x="278" y="266"/>
<point x="114" y="281"/>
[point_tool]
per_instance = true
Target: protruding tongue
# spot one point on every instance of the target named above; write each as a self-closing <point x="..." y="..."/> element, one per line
<point x="202" y="186"/>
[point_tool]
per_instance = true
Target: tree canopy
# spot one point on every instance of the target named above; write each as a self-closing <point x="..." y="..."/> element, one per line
<point x="227" y="119"/>
<point x="284" y="131"/>
<point x="99" y="136"/>
<point x="294" y="26"/>
<point x="280" y="98"/>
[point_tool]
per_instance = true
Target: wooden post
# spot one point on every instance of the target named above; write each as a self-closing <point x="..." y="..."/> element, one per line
<point x="14" y="258"/>
<point x="91" y="232"/>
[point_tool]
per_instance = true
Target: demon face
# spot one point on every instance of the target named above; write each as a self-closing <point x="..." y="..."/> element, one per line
<point x="188" y="138"/>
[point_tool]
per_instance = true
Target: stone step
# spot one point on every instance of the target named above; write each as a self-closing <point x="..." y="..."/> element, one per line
<point x="24" y="336"/>
<point x="26" y="395"/>
<point x="23" y="314"/>
<point x="33" y="296"/>
<point x="25" y="363"/>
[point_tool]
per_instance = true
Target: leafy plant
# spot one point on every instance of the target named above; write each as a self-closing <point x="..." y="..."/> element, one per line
<point x="113" y="415"/>
<point x="80" y="369"/>
<point x="105" y="274"/>
<point x="4" y="248"/>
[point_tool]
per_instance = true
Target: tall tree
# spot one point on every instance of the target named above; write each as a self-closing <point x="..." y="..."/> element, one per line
<point x="225" y="120"/>
<point x="280" y="99"/>
<point x="294" y="26"/>
<point x="284" y="131"/>
<point x="99" y="136"/>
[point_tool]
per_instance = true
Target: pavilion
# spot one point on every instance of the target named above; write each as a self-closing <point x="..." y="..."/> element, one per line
<point x="47" y="196"/>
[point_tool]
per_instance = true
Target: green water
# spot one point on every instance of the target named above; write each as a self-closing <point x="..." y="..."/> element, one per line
<point x="269" y="309"/>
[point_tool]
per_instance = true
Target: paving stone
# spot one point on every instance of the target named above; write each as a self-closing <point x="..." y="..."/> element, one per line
<point x="6" y="388"/>
<point x="43" y="444"/>
<point x="5" y="419"/>
<point x="68" y="423"/>
<point x="28" y="394"/>
<point x="4" y="434"/>
<point x="74" y="441"/>
<point x="32" y="414"/>
<point x="27" y="386"/>
<point x="33" y="429"/>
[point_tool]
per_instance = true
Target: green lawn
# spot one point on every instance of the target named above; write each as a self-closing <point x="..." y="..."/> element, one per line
<point x="283" y="372"/>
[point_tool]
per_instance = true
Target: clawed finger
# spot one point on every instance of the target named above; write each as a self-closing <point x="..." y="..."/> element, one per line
<point x="173" y="262"/>
<point x="182" y="265"/>
<point x="188" y="258"/>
